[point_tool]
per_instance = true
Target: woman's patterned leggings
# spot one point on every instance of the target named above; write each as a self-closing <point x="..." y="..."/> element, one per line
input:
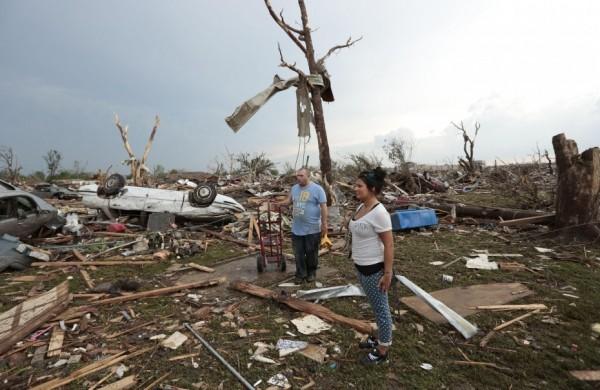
<point x="379" y="304"/>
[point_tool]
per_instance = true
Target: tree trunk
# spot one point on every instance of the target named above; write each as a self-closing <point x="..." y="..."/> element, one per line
<point x="578" y="186"/>
<point x="317" y="104"/>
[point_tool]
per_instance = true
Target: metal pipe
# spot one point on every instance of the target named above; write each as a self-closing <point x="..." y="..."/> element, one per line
<point x="239" y="377"/>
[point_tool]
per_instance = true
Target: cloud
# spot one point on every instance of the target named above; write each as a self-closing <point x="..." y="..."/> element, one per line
<point x="510" y="131"/>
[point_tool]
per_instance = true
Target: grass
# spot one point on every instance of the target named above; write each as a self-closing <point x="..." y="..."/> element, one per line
<point x="537" y="352"/>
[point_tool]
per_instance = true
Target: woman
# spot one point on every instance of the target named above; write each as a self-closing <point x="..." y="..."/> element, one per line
<point x="373" y="253"/>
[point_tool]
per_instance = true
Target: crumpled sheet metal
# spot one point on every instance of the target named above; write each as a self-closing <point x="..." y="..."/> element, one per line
<point x="465" y="328"/>
<point x="247" y="109"/>
<point x="349" y="290"/>
<point x="9" y="257"/>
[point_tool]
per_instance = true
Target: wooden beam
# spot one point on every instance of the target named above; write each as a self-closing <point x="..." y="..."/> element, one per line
<point x="153" y="385"/>
<point x="508" y="323"/>
<point x="87" y="279"/>
<point x="543" y="219"/>
<point x="304" y="306"/>
<point x="251" y="229"/>
<point x="201" y="267"/>
<point x="79" y="255"/>
<point x="532" y="306"/>
<point x="125" y="383"/>
<point x="159" y="292"/>
<point x="90" y="263"/>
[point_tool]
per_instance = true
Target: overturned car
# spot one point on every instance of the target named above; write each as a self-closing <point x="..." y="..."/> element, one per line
<point x="202" y="204"/>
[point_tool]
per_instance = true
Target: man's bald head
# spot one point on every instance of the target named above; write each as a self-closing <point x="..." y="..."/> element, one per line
<point x="302" y="176"/>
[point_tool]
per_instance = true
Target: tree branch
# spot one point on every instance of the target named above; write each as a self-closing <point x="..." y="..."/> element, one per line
<point x="284" y="64"/>
<point x="150" y="140"/>
<point x="348" y="43"/>
<point x="123" y="131"/>
<point x="289" y="30"/>
<point x="296" y="30"/>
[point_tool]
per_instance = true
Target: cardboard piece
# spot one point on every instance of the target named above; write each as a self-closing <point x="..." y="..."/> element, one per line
<point x="463" y="300"/>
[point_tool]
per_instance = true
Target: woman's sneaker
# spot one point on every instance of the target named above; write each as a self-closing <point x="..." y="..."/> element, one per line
<point x="369" y="343"/>
<point x="373" y="358"/>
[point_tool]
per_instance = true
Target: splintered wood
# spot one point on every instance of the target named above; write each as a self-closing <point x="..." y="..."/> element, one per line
<point x="56" y="342"/>
<point x="304" y="306"/>
<point x="159" y="292"/>
<point x="23" y="319"/>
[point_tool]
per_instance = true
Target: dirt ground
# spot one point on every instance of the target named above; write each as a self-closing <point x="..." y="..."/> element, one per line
<point x="537" y="352"/>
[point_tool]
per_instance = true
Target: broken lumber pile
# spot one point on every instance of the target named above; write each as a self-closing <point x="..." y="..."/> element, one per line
<point x="160" y="291"/>
<point x="24" y="318"/>
<point x="89" y="369"/>
<point x="301" y="305"/>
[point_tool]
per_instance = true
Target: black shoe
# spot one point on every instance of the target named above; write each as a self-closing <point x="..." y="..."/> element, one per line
<point x="374" y="358"/>
<point x="370" y="343"/>
<point x="311" y="278"/>
<point x="298" y="280"/>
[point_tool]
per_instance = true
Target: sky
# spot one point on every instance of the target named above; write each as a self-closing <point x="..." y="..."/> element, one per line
<point x="525" y="70"/>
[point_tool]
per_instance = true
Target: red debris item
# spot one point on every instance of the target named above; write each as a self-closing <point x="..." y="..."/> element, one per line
<point x="116" y="228"/>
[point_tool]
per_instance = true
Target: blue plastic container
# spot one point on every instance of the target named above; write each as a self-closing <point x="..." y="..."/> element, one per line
<point x="413" y="218"/>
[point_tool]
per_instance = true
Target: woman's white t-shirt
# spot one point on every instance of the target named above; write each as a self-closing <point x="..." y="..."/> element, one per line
<point x="367" y="247"/>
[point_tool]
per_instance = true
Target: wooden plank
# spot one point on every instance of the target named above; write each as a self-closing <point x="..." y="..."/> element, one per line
<point x="113" y="335"/>
<point x="532" y="306"/>
<point x="121" y="384"/>
<point x="200" y="267"/>
<point x="89" y="263"/>
<point x="463" y="299"/>
<point x="303" y="306"/>
<point x="56" y="342"/>
<point x="153" y="385"/>
<point x="79" y="255"/>
<point x="586" y="375"/>
<point x="87" y="278"/>
<point x="256" y="228"/>
<point x="160" y="291"/>
<point x="546" y="218"/>
<point x="101" y="381"/>
<point x="508" y="323"/>
<point x="89" y="369"/>
<point x="251" y="229"/>
<point x="23" y="319"/>
<point x="181" y="357"/>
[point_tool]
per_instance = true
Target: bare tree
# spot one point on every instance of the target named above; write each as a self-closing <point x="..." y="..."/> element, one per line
<point x="467" y="162"/>
<point x="139" y="170"/>
<point x="53" y="159"/>
<point x="547" y="156"/>
<point x="10" y="163"/>
<point x="302" y="37"/>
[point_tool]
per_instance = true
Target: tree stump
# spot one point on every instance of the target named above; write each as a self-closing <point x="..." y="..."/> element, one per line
<point x="578" y="186"/>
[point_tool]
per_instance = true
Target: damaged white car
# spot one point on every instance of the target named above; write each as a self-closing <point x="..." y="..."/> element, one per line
<point x="202" y="204"/>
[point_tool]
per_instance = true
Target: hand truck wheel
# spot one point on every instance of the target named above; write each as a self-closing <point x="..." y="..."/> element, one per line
<point x="260" y="263"/>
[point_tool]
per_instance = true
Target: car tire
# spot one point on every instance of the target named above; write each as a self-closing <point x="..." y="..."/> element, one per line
<point x="113" y="184"/>
<point x="203" y="195"/>
<point x="260" y="264"/>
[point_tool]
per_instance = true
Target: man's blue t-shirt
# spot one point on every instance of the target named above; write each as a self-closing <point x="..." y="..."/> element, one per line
<point x="307" y="208"/>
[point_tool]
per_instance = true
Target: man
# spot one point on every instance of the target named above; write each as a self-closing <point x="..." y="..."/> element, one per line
<point x="309" y="221"/>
